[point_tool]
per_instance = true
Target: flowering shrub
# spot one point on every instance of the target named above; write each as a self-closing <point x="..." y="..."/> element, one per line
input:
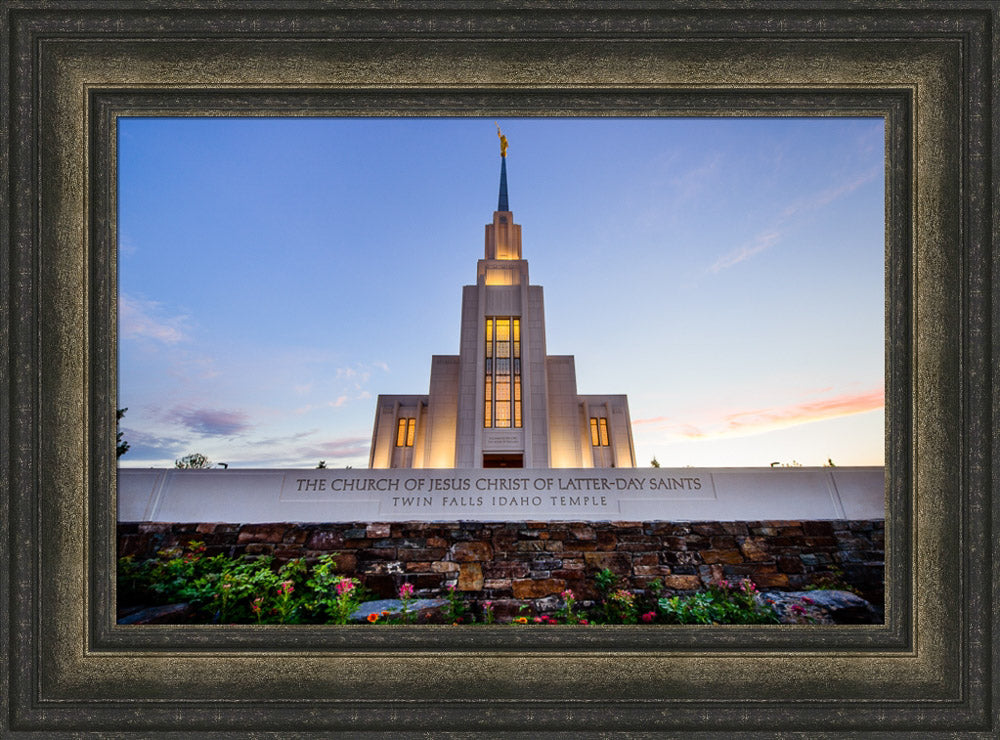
<point x="454" y="610"/>
<point x="236" y="590"/>
<point x="488" y="616"/>
<point x="245" y="590"/>
<point x="567" y="613"/>
<point x="619" y="607"/>
<point x="406" y="596"/>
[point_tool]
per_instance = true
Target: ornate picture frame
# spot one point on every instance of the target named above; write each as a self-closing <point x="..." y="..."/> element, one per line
<point x="70" y="68"/>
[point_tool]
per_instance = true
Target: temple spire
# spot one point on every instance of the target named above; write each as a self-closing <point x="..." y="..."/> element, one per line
<point x="502" y="204"/>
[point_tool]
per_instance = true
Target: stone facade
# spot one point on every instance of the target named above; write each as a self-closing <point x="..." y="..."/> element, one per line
<point x="517" y="561"/>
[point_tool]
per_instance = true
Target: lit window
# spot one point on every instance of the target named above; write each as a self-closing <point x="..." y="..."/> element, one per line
<point x="599" y="432"/>
<point x="502" y="391"/>
<point x="405" y="432"/>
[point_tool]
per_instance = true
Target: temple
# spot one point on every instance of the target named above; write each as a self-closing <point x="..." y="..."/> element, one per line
<point x="502" y="401"/>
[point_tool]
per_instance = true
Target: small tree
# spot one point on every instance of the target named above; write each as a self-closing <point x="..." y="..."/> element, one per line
<point x="122" y="445"/>
<point x="194" y="461"/>
<point x="322" y="465"/>
<point x="654" y="462"/>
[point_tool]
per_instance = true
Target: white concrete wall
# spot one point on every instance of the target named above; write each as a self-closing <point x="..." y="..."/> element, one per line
<point x="636" y="494"/>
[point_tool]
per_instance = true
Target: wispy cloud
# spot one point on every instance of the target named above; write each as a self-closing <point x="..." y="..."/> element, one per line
<point x="337" y="449"/>
<point x="285" y="440"/>
<point x="692" y="183"/>
<point x="760" y="420"/>
<point x="776" y="231"/>
<point x="145" y="445"/>
<point x="759" y="244"/>
<point x="831" y="194"/>
<point x="210" y="422"/>
<point x="142" y="318"/>
<point x="189" y="366"/>
<point x="805" y="412"/>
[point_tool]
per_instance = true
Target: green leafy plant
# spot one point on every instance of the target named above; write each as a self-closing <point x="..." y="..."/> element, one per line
<point x="567" y="613"/>
<point x="620" y="608"/>
<point x="231" y="590"/>
<point x="406" y="596"/>
<point x="488" y="616"/>
<point x="455" y="610"/>
<point x="720" y="603"/>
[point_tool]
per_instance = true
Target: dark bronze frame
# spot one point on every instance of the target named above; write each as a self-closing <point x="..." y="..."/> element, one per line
<point x="70" y="68"/>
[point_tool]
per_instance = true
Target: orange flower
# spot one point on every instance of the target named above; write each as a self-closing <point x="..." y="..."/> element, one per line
<point x="373" y="617"/>
<point x="521" y="620"/>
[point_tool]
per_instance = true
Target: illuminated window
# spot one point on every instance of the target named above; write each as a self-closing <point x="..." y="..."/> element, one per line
<point x="599" y="432"/>
<point x="502" y="391"/>
<point x="405" y="432"/>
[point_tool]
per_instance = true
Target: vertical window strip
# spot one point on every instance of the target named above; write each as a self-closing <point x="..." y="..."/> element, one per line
<point x="595" y="440"/>
<point x="502" y="404"/>
<point x="400" y="432"/>
<point x="411" y="428"/>
<point x="604" y="432"/>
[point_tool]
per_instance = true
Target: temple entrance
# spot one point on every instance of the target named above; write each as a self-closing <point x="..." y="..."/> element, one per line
<point x="504" y="461"/>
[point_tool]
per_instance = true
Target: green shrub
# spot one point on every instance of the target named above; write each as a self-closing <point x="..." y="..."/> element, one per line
<point x="239" y="590"/>
<point x="719" y="604"/>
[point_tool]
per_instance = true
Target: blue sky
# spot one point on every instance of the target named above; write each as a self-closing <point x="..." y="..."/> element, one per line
<point x="276" y="275"/>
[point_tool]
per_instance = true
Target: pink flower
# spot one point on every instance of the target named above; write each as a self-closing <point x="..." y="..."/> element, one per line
<point x="285" y="588"/>
<point x="584" y="621"/>
<point x="345" y="586"/>
<point x="806" y="600"/>
<point x="567" y="594"/>
<point x="538" y="620"/>
<point x="406" y="591"/>
<point x="648" y="617"/>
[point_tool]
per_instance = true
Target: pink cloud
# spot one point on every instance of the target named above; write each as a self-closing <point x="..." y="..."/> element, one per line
<point x="803" y="413"/>
<point x="138" y="318"/>
<point x="756" y="421"/>
<point x="652" y="420"/>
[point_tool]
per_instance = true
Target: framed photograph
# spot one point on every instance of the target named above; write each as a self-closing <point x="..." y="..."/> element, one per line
<point x="284" y="281"/>
<point x="76" y="71"/>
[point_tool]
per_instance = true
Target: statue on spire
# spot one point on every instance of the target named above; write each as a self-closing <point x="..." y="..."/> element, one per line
<point x="503" y="141"/>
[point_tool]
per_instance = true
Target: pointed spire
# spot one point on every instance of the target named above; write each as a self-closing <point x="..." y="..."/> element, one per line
<point x="502" y="204"/>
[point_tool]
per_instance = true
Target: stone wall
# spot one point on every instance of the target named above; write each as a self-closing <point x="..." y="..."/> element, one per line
<point x="507" y="561"/>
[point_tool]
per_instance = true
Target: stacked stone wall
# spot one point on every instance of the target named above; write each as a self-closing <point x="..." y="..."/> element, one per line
<point x="508" y="561"/>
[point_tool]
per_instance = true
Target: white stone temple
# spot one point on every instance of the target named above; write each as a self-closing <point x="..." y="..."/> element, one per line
<point x="502" y="401"/>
